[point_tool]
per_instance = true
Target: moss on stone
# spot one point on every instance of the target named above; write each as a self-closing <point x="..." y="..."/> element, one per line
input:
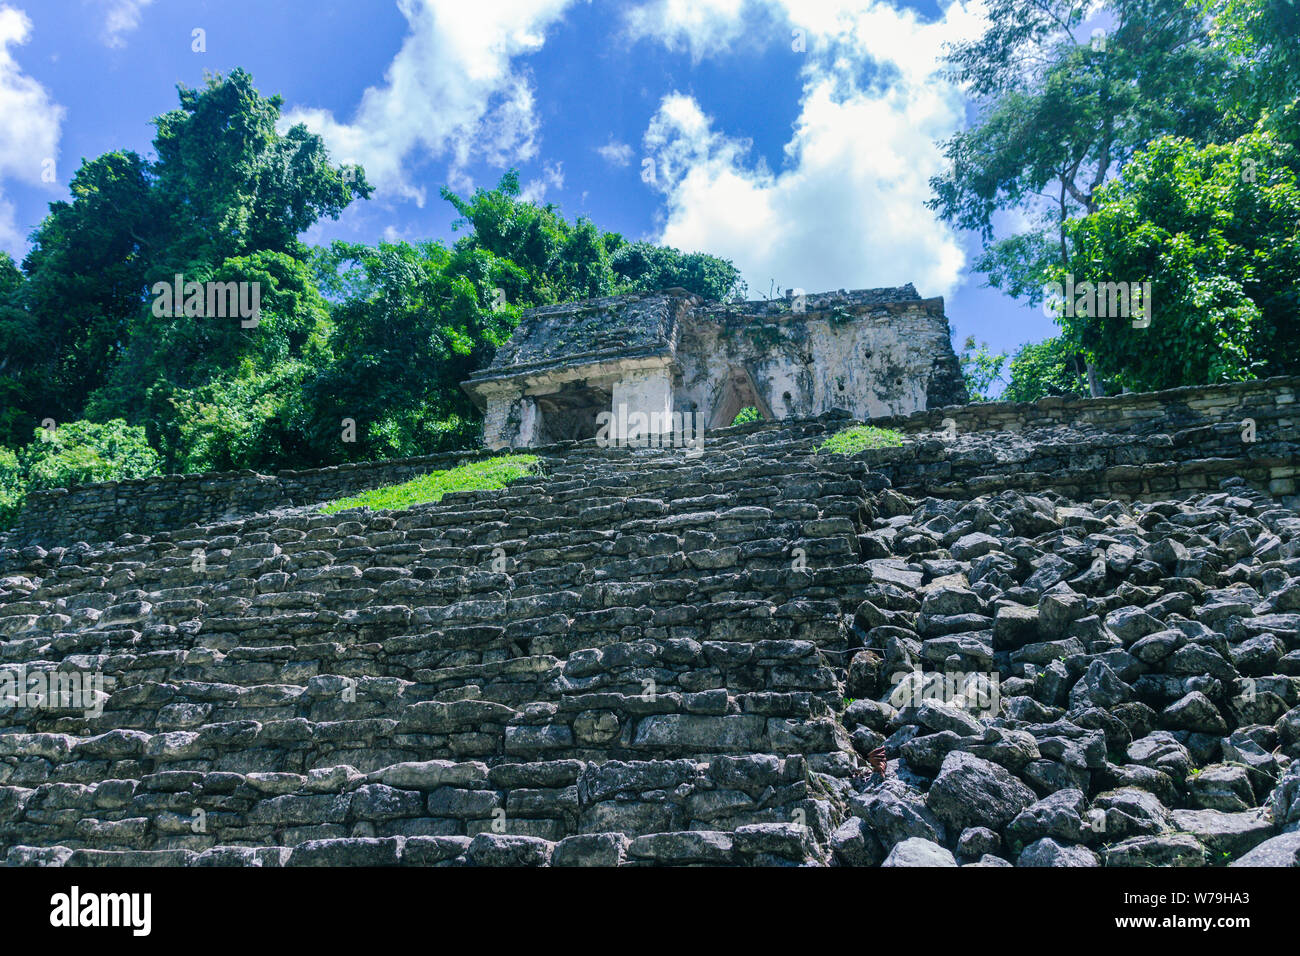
<point x="491" y="473"/>
<point x="856" y="438"/>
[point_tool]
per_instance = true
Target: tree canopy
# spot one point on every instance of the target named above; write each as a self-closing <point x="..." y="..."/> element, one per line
<point x="1159" y="148"/>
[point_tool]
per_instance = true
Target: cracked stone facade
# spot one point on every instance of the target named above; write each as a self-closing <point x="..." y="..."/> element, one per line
<point x="871" y="352"/>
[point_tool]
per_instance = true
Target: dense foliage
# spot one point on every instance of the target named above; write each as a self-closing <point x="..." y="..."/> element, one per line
<point x="1045" y="368"/>
<point x="76" y="453"/>
<point x="980" y="368"/>
<point x="1216" y="230"/>
<point x="1158" y="147"/>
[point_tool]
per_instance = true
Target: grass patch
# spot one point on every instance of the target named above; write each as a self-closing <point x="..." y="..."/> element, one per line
<point x="485" y="475"/>
<point x="856" y="438"/>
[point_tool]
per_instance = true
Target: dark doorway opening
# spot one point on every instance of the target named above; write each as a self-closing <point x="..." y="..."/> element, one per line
<point x="570" y="414"/>
<point x="736" y="391"/>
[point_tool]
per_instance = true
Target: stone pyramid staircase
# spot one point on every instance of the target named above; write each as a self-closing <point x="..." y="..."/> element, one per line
<point x="637" y="658"/>
<point x="646" y="658"/>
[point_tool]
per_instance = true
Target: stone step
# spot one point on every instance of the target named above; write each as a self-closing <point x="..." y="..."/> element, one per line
<point x="758" y="844"/>
<point x="182" y="812"/>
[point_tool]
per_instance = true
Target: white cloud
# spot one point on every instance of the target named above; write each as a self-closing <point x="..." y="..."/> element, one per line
<point x="29" y="133"/>
<point x="535" y="189"/>
<point x="120" y="18"/>
<point x="702" y="27"/>
<point x="452" y="91"/>
<point x="615" y="153"/>
<point x="11" y="238"/>
<point x="846" y="210"/>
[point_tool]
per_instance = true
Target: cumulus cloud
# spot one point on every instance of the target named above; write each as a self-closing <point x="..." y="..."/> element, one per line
<point x="452" y="91"/>
<point x="535" y="189"/>
<point x="11" y="238"/>
<point x="29" y="133"/>
<point x="846" y="208"/>
<point x="615" y="153"/>
<point x="701" y="27"/>
<point x="120" y="18"/>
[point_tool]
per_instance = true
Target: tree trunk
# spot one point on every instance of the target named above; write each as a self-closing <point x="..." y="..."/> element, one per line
<point x="1094" y="387"/>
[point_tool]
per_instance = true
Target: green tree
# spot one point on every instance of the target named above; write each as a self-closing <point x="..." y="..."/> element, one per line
<point x="1216" y="230"/>
<point x="251" y="419"/>
<point x="20" y="356"/>
<point x="227" y="194"/>
<point x="169" y="356"/>
<point x="562" y="261"/>
<point x="645" y="267"/>
<point x="981" y="369"/>
<point x="12" y="489"/>
<point x="417" y="321"/>
<point x="86" y="275"/>
<point x="82" y="452"/>
<point x="1040" y="369"/>
<point x="74" y="453"/>
<point x="1061" y="111"/>
<point x="558" y="261"/>
<point x="229" y="184"/>
<point x="1264" y="35"/>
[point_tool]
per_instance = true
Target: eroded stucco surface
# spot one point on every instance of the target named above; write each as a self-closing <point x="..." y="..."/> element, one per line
<point x="874" y="352"/>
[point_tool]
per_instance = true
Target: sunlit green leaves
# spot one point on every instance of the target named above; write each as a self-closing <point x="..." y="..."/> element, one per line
<point x="1039" y="369"/>
<point x="1216" y="229"/>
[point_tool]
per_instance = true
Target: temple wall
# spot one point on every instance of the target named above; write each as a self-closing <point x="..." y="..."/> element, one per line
<point x="871" y="366"/>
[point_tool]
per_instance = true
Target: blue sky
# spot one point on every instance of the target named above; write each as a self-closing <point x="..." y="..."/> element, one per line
<point x="796" y="137"/>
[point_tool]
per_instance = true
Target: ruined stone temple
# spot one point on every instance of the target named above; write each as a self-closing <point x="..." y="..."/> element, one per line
<point x="871" y="352"/>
